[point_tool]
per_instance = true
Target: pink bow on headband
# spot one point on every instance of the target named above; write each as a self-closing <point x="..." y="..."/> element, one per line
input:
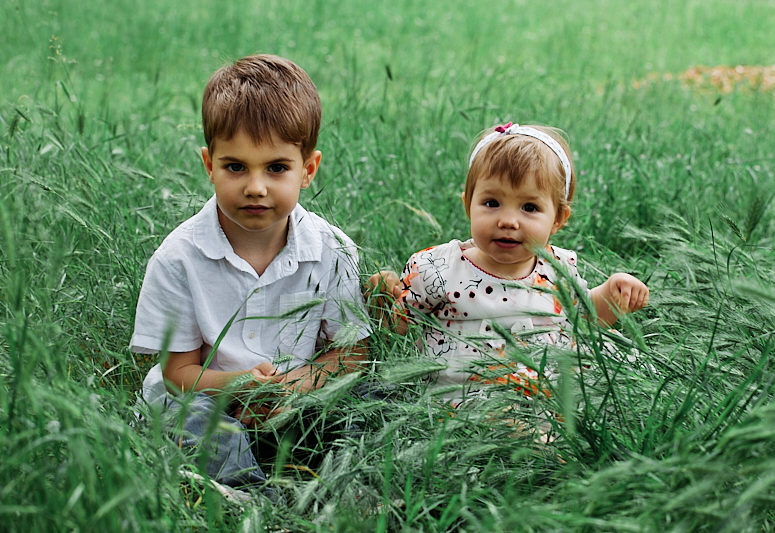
<point x="502" y="129"/>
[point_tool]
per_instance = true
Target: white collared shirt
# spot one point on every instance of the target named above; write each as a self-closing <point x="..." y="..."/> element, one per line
<point x="195" y="283"/>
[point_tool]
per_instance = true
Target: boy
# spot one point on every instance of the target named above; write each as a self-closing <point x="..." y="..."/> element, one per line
<point x="280" y="281"/>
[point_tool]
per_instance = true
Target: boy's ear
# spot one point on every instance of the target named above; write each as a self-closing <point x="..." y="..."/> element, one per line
<point x="562" y="217"/>
<point x="207" y="161"/>
<point x="311" y="166"/>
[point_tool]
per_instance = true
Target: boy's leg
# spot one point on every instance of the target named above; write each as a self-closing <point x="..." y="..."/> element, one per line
<point x="230" y="459"/>
<point x="316" y="428"/>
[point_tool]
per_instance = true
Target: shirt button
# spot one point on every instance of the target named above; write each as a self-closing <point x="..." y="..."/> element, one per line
<point x="252" y="334"/>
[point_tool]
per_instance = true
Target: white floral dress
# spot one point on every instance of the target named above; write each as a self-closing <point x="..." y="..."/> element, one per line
<point x="441" y="282"/>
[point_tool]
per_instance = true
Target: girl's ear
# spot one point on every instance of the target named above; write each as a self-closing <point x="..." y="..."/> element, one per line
<point x="465" y="207"/>
<point x="562" y="217"/>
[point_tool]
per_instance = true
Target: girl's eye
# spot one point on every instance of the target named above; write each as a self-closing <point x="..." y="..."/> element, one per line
<point x="277" y="168"/>
<point x="235" y="167"/>
<point x="491" y="203"/>
<point x="530" y="208"/>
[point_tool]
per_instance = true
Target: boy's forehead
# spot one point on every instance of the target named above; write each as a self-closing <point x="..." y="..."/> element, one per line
<point x="242" y="141"/>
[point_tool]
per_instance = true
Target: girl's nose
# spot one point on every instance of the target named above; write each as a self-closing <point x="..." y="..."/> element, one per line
<point x="255" y="186"/>
<point x="508" y="221"/>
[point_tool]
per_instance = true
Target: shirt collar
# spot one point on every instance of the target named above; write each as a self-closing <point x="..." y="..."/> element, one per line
<point x="304" y="243"/>
<point x="304" y="237"/>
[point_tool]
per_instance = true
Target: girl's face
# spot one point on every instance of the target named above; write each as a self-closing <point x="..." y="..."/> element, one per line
<point x="507" y="222"/>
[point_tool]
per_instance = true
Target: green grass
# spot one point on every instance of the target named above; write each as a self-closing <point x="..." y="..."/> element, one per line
<point x="99" y="137"/>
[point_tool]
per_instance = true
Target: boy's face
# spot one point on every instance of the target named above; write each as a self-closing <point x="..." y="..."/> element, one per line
<point x="507" y="221"/>
<point x="257" y="185"/>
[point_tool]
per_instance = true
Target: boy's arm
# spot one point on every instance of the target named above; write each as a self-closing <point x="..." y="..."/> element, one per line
<point x="183" y="369"/>
<point x="312" y="376"/>
<point x="621" y="292"/>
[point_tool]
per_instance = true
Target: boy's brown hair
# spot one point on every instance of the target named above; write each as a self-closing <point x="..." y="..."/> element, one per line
<point x="514" y="157"/>
<point x="263" y="95"/>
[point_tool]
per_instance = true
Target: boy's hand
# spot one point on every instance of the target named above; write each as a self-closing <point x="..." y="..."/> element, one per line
<point x="254" y="414"/>
<point x="266" y="373"/>
<point x="627" y="292"/>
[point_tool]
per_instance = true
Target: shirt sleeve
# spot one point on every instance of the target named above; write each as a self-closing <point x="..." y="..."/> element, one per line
<point x="344" y="317"/>
<point x="164" y="315"/>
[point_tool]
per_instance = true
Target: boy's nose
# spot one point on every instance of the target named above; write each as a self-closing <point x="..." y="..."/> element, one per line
<point x="255" y="186"/>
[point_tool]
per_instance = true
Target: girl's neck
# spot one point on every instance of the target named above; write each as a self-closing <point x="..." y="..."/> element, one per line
<point x="499" y="270"/>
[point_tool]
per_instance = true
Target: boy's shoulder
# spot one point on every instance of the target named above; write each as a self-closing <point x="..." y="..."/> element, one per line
<point x="187" y="238"/>
<point x="313" y="231"/>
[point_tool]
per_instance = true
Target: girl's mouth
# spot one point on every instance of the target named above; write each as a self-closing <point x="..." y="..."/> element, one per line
<point x="506" y="243"/>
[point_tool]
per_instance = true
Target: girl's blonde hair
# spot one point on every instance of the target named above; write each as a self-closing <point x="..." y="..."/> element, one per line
<point x="515" y="157"/>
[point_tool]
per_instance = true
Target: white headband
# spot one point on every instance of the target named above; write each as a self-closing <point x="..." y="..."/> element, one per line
<point x="516" y="129"/>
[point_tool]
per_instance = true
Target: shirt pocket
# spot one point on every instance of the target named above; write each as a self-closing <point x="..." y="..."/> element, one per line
<point x="299" y="315"/>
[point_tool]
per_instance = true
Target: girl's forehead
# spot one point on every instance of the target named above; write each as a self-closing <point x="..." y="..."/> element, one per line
<point x="528" y="183"/>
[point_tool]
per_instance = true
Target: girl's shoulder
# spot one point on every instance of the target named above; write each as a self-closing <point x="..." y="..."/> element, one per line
<point x="545" y="269"/>
<point x="563" y="256"/>
<point x="446" y="252"/>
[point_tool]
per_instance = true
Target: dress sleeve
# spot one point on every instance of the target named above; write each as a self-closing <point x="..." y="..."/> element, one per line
<point x="422" y="282"/>
<point x="567" y="259"/>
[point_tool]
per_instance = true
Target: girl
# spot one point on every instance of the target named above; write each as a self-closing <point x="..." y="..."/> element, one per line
<point x="517" y="195"/>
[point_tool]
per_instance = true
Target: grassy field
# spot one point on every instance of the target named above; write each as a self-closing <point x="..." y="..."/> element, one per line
<point x="99" y="137"/>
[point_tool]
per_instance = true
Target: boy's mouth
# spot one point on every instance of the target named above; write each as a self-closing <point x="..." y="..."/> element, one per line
<point x="255" y="209"/>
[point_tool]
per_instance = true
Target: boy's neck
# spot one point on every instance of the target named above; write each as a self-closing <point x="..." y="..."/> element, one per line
<point x="258" y="248"/>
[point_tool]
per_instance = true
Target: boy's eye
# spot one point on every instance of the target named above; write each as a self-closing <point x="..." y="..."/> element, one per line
<point x="277" y="168"/>
<point x="530" y="208"/>
<point x="491" y="203"/>
<point x="235" y="167"/>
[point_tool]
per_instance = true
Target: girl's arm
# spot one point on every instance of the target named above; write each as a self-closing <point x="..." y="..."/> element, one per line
<point x="383" y="292"/>
<point x="622" y="294"/>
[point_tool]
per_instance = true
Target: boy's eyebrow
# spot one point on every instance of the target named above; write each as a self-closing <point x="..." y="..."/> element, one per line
<point x="238" y="160"/>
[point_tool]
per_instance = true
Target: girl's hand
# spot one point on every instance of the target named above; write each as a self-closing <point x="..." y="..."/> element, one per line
<point x="384" y="282"/>
<point x="627" y="292"/>
<point x="621" y="293"/>
<point x="383" y="295"/>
